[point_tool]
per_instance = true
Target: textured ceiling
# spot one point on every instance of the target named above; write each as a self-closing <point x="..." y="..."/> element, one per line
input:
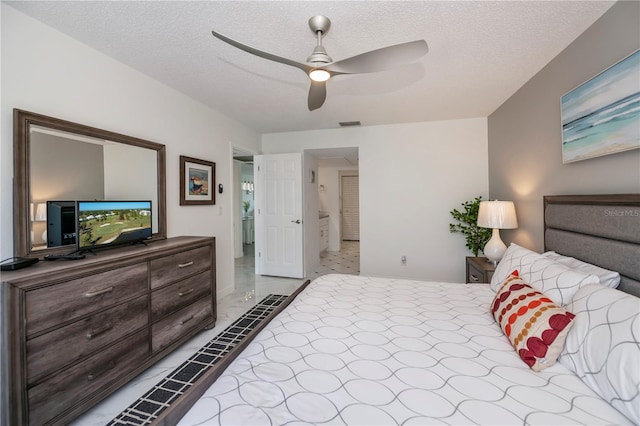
<point x="481" y="52"/>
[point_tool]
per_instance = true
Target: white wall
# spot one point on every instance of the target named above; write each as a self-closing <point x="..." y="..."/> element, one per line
<point x="310" y="220"/>
<point x="47" y="72"/>
<point x="62" y="169"/>
<point x="411" y="176"/>
<point x="65" y="169"/>
<point x="130" y="173"/>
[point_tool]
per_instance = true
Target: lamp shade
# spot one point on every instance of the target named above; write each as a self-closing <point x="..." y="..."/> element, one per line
<point x="41" y="212"/>
<point x="497" y="215"/>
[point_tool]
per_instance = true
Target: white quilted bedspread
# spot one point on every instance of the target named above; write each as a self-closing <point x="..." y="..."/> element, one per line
<point x="363" y="351"/>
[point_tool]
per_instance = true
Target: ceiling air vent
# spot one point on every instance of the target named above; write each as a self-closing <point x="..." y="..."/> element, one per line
<point x="349" y="123"/>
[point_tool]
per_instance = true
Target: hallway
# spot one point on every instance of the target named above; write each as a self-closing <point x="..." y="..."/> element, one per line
<point x="249" y="286"/>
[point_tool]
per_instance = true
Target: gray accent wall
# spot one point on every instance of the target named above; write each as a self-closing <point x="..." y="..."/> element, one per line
<point x="525" y="156"/>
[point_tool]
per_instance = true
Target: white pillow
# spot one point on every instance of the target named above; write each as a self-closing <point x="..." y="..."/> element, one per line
<point x="608" y="278"/>
<point x="603" y="347"/>
<point x="515" y="257"/>
<point x="554" y="279"/>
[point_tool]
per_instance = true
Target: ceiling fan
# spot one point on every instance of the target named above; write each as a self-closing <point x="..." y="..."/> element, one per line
<point x="320" y="67"/>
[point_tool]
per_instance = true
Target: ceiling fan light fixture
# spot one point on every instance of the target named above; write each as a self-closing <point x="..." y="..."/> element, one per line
<point x="319" y="75"/>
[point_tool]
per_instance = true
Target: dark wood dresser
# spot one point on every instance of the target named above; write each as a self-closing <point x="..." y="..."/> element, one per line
<point x="78" y="330"/>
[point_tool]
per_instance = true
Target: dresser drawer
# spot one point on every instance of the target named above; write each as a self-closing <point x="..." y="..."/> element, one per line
<point x="52" y="305"/>
<point x="168" y="330"/>
<point x="475" y="275"/>
<point x="50" y="351"/>
<point x="178" y="295"/>
<point x="51" y="397"/>
<point x="175" y="267"/>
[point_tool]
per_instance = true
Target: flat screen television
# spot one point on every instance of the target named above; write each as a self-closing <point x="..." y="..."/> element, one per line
<point x="102" y="224"/>
<point x="61" y="223"/>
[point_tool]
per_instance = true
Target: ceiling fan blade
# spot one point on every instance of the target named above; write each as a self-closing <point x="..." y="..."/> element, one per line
<point x="265" y="55"/>
<point x="380" y="59"/>
<point x="317" y="94"/>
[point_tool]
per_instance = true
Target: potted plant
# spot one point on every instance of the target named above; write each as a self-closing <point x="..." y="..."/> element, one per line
<point x="475" y="236"/>
<point x="245" y="207"/>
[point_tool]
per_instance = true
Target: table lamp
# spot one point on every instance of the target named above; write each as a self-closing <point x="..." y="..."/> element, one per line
<point x="496" y="215"/>
<point x="41" y="216"/>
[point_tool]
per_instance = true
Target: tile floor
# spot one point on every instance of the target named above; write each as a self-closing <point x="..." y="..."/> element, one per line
<point x="250" y="289"/>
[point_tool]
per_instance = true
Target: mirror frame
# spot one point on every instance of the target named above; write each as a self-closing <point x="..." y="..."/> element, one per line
<point x="22" y="120"/>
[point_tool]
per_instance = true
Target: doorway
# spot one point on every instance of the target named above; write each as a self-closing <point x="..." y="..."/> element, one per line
<point x="324" y="186"/>
<point x="333" y="164"/>
<point x="243" y="205"/>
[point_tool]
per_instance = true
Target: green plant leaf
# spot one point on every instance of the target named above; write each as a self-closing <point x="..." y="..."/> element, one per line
<point x="476" y="237"/>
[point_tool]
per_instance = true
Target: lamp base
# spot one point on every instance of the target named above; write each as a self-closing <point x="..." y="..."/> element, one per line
<point x="493" y="262"/>
<point x="495" y="248"/>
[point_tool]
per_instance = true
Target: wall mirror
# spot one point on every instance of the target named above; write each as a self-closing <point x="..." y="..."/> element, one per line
<point x="58" y="162"/>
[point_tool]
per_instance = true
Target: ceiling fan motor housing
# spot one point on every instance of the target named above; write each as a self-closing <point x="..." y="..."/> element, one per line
<point x="319" y="55"/>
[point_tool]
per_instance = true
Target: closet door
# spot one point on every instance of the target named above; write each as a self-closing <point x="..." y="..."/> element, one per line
<point x="350" y="207"/>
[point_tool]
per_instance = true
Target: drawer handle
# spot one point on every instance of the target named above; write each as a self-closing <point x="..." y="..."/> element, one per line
<point x="101" y="371"/>
<point x="99" y="292"/>
<point x="184" y="321"/>
<point x="184" y="293"/>
<point x="92" y="334"/>
<point x="184" y="265"/>
<point x="474" y="278"/>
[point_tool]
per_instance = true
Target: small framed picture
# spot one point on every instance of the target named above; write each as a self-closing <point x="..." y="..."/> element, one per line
<point x="197" y="181"/>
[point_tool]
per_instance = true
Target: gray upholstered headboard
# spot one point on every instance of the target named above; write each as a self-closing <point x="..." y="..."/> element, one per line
<point x="600" y="229"/>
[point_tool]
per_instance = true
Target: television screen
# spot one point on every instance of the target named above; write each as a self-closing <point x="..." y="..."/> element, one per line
<point x="61" y="223"/>
<point x="108" y="223"/>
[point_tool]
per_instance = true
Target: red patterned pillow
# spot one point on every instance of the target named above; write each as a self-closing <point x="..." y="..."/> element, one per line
<point x="533" y="323"/>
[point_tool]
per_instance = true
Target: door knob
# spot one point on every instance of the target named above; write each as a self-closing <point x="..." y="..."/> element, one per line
<point x="296" y="221"/>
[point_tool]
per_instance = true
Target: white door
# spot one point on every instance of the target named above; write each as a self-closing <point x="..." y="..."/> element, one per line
<point x="278" y="215"/>
<point x="350" y="208"/>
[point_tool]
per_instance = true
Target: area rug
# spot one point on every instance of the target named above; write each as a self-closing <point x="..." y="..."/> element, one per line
<point x="146" y="409"/>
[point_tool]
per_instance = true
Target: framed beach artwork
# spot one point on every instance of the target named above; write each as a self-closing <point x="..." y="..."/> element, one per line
<point x="602" y="115"/>
<point x="197" y="181"/>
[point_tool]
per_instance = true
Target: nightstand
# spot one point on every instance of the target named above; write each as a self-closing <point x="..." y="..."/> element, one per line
<point x="479" y="270"/>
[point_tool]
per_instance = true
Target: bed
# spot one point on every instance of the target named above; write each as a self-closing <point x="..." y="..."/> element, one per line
<point x="363" y="350"/>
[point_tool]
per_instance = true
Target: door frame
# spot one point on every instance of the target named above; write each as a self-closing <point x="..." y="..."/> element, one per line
<point x="236" y="189"/>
